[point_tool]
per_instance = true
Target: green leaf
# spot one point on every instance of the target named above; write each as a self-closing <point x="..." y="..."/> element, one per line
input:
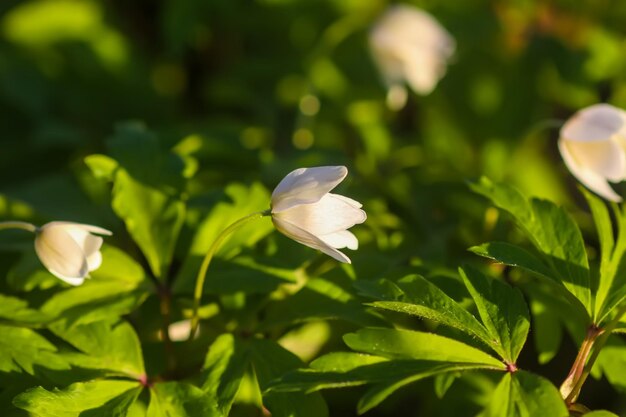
<point x="16" y="310"/>
<point x="523" y="394"/>
<point x="147" y="189"/>
<point x="612" y="286"/>
<point x="503" y="311"/>
<point x="223" y="371"/>
<point x="114" y="290"/>
<point x="102" y="397"/>
<point x="270" y="360"/>
<point x="24" y="349"/>
<point x="513" y="255"/>
<point x="346" y="369"/>
<point x="406" y="344"/>
<point x="419" y="297"/>
<point x="112" y="348"/>
<point x="242" y="201"/>
<point x="553" y="232"/>
<point x="180" y="399"/>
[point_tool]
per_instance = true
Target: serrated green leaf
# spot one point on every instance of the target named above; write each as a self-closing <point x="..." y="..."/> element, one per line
<point x="180" y="399"/>
<point x="15" y="310"/>
<point x="346" y="369"/>
<point x="503" y="311"/>
<point x="113" y="348"/>
<point x="223" y="371"/>
<point x="523" y="394"/>
<point x="147" y="189"/>
<point x="78" y="399"/>
<point x="513" y="255"/>
<point x="24" y="349"/>
<point x="101" y="166"/>
<point x="417" y="296"/>
<point x="270" y="361"/>
<point x="553" y="232"/>
<point x="406" y="344"/>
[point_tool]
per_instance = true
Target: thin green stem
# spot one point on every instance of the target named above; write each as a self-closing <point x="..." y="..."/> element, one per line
<point x="600" y="341"/>
<point x="18" y="225"/>
<point x="197" y="294"/>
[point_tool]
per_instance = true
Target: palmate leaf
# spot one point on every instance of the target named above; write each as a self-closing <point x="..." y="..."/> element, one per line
<point x="553" y="232"/>
<point x="503" y="311"/>
<point x="84" y="399"/>
<point x="24" y="350"/>
<point x="513" y="255"/>
<point x="522" y="394"/>
<point x="147" y="188"/>
<point x="417" y="296"/>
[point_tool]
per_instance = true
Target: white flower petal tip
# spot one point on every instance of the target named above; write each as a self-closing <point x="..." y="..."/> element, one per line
<point x="410" y="46"/>
<point x="593" y="146"/>
<point x="304" y="210"/>
<point x="69" y="250"/>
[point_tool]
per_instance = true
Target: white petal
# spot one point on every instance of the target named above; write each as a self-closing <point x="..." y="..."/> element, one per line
<point x="89" y="244"/>
<point x="86" y="227"/>
<point x="592" y="180"/>
<point x="595" y="123"/>
<point x="61" y="255"/>
<point x="342" y="239"/>
<point x="332" y="213"/>
<point x="305" y="186"/>
<point x="307" y="239"/>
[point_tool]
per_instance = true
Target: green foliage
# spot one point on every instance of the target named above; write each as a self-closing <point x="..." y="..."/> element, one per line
<point x="238" y="94"/>
<point x="553" y="233"/>
<point x="524" y="394"/>
<point x="104" y="397"/>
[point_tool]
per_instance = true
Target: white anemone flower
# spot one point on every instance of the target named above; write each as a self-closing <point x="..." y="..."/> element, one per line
<point x="69" y="250"/>
<point x="304" y="210"/>
<point x="593" y="146"/>
<point x="410" y="46"/>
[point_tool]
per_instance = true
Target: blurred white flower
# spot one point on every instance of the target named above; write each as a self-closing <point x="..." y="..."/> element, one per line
<point x="304" y="210"/>
<point x="593" y="146"/>
<point x="409" y="45"/>
<point x="69" y="250"/>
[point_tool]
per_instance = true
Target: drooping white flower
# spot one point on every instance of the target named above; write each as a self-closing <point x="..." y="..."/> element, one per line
<point x="304" y="210"/>
<point x="69" y="250"/>
<point x="593" y="146"/>
<point x="410" y="46"/>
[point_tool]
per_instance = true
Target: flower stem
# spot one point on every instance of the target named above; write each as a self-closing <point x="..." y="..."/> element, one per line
<point x="197" y="294"/>
<point x="18" y="225"/>
<point x="597" y="343"/>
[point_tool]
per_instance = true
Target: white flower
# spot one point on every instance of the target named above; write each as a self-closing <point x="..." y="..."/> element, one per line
<point x="593" y="146"/>
<point x="305" y="210"/>
<point x="409" y="45"/>
<point x="69" y="250"/>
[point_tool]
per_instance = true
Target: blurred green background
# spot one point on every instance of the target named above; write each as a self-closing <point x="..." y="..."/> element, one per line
<point x="252" y="89"/>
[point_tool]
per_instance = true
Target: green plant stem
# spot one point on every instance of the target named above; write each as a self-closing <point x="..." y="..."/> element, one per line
<point x="197" y="294"/>
<point x="581" y="358"/>
<point x="18" y="225"/>
<point x="597" y="345"/>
